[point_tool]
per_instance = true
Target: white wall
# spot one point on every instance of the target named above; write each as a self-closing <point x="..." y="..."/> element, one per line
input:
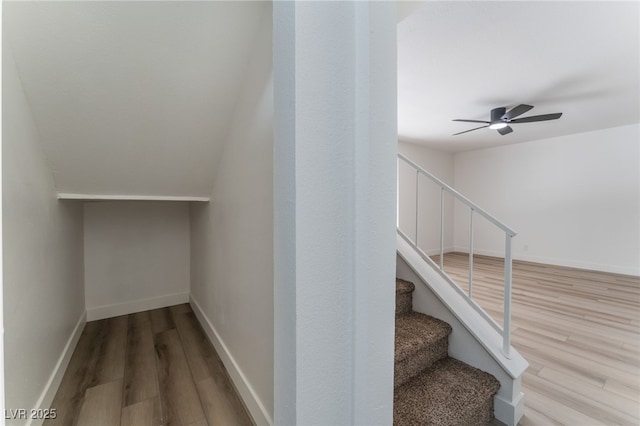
<point x="232" y="240"/>
<point x="136" y="256"/>
<point x="574" y="200"/>
<point x="439" y="164"/>
<point x="43" y="258"/>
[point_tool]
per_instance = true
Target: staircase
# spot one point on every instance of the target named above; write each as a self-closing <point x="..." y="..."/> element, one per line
<point x="430" y="388"/>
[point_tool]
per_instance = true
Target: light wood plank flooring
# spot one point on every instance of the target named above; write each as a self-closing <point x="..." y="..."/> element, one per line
<point x="580" y="332"/>
<point x="149" y="368"/>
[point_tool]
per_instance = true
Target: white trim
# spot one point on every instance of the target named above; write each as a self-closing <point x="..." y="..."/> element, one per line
<point x="50" y="389"/>
<point x="252" y="401"/>
<point x="614" y="269"/>
<point x="115" y="310"/>
<point x="436" y="251"/>
<point x="102" y="197"/>
<point x="511" y="411"/>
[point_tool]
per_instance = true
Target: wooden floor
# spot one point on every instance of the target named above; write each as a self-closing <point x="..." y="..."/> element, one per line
<point x="578" y="329"/>
<point x="150" y="368"/>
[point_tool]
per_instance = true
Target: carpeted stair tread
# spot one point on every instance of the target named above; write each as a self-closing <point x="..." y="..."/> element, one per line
<point x="449" y="393"/>
<point x="415" y="332"/>
<point x="403" y="286"/>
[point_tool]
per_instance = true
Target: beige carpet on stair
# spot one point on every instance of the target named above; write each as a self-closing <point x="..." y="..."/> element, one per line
<point x="458" y="398"/>
<point x="430" y="388"/>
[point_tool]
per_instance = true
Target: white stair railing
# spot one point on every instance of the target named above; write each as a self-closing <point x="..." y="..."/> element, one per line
<point x="505" y="330"/>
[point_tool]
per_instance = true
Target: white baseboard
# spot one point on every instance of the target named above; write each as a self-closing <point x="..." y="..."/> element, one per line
<point x="50" y="389"/>
<point x="115" y="310"/>
<point x="590" y="266"/>
<point x="436" y="251"/>
<point x="251" y="400"/>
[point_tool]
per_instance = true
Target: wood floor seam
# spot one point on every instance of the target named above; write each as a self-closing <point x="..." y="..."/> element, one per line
<point x="175" y="321"/>
<point x="578" y="330"/>
<point x="135" y="370"/>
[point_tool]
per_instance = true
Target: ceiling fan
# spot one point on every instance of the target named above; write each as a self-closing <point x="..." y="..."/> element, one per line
<point x="501" y="118"/>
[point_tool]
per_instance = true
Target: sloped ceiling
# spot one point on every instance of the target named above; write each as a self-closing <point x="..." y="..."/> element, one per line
<point x="461" y="59"/>
<point x="132" y="98"/>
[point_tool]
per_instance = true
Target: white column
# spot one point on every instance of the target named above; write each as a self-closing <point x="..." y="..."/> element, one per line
<point x="335" y="192"/>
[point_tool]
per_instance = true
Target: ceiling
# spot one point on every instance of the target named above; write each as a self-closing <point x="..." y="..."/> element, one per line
<point x="461" y="59"/>
<point x="135" y="98"/>
<point x="132" y="98"/>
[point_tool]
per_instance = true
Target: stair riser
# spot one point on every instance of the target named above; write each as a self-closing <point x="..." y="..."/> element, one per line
<point x="404" y="303"/>
<point x="482" y="416"/>
<point x="413" y="365"/>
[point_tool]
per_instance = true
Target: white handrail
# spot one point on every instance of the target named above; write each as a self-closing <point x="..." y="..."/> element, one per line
<point x="460" y="197"/>
<point x="474" y="208"/>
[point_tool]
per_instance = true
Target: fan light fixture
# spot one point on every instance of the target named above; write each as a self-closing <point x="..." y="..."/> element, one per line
<point x="498" y="125"/>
